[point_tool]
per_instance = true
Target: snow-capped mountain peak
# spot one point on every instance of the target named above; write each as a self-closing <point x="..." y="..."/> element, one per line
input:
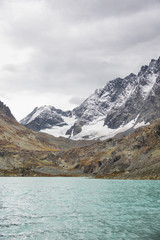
<point x="121" y="104"/>
<point x="45" y="117"/>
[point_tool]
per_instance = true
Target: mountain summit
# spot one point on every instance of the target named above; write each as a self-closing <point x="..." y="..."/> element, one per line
<point x="123" y="104"/>
<point x="45" y="117"/>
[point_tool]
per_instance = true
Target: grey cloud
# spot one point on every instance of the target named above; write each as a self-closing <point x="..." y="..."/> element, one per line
<point x="73" y="47"/>
<point x="10" y="68"/>
<point x="76" y="100"/>
<point x="93" y="9"/>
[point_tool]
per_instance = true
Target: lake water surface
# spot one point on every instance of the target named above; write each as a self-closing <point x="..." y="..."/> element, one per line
<point x="79" y="208"/>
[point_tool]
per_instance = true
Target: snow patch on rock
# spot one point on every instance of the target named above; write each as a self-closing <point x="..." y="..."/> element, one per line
<point x="58" y="131"/>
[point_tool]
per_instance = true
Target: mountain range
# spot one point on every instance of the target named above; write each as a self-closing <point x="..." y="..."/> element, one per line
<point x="24" y="152"/>
<point x="121" y="106"/>
<point x="127" y="109"/>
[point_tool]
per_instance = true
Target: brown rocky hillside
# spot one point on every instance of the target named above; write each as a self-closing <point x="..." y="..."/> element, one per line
<point x="135" y="156"/>
<point x="22" y="149"/>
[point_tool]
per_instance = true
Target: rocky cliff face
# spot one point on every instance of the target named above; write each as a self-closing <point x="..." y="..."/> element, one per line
<point x="142" y="100"/>
<point x="5" y="111"/>
<point x="121" y="105"/>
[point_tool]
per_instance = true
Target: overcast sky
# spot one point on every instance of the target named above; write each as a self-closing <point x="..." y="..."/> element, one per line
<point x="57" y="52"/>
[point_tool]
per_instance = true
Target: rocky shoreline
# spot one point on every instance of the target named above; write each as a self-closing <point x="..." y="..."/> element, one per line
<point x="29" y="172"/>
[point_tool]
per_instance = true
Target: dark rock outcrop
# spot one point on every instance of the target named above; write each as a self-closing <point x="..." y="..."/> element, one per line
<point x="6" y="111"/>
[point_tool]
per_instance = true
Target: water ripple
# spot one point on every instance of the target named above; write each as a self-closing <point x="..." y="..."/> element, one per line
<point x="79" y="208"/>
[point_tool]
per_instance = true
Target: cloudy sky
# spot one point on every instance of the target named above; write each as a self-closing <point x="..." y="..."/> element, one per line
<point x="57" y="52"/>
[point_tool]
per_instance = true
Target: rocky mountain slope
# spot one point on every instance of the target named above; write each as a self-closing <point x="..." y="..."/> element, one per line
<point x="26" y="153"/>
<point x="45" y="117"/>
<point x="134" y="156"/>
<point x="121" y="105"/>
<point x="22" y="149"/>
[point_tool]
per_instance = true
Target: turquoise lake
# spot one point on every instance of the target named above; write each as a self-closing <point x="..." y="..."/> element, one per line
<point x="79" y="208"/>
